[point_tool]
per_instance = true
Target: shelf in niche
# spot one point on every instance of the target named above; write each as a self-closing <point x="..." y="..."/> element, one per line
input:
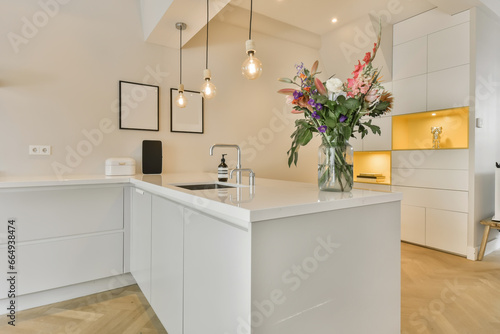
<point x="413" y="131"/>
<point x="374" y="162"/>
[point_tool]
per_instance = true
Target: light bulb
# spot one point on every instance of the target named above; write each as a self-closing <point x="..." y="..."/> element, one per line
<point x="181" y="100"/>
<point x="252" y="67"/>
<point x="208" y="89"/>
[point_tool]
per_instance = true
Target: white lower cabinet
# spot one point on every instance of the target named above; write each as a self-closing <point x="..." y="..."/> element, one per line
<point x="167" y="263"/>
<point x="50" y="265"/>
<point x="216" y="276"/>
<point x="413" y="224"/>
<point x="65" y="235"/>
<point x="446" y="230"/>
<point x="140" y="240"/>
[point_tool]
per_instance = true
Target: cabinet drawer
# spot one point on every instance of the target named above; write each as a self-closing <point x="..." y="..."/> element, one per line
<point x="413" y="224"/>
<point x="446" y="230"/>
<point x="431" y="159"/>
<point x="43" y="213"/>
<point x="48" y="265"/>
<point x="431" y="178"/>
<point x="436" y="199"/>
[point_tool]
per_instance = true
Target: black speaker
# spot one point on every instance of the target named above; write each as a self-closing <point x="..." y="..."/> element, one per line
<point x="151" y="157"/>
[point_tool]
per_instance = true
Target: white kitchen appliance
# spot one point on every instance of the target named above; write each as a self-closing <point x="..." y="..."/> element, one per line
<point x="120" y="166"/>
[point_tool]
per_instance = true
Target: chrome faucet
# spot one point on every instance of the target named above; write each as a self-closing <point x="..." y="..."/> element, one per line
<point x="251" y="174"/>
<point x="238" y="164"/>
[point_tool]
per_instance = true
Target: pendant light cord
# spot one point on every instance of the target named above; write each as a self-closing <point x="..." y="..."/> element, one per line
<point x="251" y="13"/>
<point x="180" y="56"/>
<point x="206" y="48"/>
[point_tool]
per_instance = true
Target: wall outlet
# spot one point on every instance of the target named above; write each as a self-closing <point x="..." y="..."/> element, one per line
<point x="40" y="150"/>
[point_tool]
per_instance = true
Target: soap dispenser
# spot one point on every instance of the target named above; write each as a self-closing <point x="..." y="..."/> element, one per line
<point x="222" y="171"/>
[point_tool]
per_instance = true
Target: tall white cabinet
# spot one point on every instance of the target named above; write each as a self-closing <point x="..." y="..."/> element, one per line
<point x="432" y="72"/>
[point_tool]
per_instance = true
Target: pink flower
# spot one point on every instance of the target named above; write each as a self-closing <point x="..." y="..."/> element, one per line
<point x="372" y="96"/>
<point x="289" y="99"/>
<point x="367" y="58"/>
<point x="357" y="69"/>
<point x="319" y="86"/>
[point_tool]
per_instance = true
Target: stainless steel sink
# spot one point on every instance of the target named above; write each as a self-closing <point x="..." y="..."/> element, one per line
<point x="203" y="186"/>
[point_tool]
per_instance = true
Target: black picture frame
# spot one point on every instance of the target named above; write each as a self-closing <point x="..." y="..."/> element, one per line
<point x="139" y="106"/>
<point x="191" y="118"/>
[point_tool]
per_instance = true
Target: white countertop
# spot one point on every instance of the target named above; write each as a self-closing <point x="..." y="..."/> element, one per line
<point x="271" y="199"/>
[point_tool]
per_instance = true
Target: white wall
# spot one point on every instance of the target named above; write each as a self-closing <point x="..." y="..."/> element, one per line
<point x="486" y="106"/>
<point x="63" y="80"/>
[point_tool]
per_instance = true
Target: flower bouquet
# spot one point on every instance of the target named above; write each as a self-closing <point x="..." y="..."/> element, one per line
<point x="336" y="111"/>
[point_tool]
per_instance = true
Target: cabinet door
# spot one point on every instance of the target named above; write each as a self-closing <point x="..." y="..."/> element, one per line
<point x="449" y="47"/>
<point x="140" y="240"/>
<point x="374" y="142"/>
<point x="167" y="263"/>
<point x="413" y="224"/>
<point x="446" y="230"/>
<point x="448" y="88"/>
<point x="48" y="265"/>
<point x="410" y="59"/>
<point x="65" y="211"/>
<point x="216" y="275"/>
<point x="411" y="95"/>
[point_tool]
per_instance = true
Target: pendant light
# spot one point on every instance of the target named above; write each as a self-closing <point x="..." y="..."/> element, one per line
<point x="208" y="89"/>
<point x="180" y="100"/>
<point x="252" y="67"/>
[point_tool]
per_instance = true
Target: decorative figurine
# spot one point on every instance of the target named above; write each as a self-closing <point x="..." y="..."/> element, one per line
<point x="436" y="131"/>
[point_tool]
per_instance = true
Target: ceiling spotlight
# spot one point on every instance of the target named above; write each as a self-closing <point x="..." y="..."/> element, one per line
<point x="334" y="20"/>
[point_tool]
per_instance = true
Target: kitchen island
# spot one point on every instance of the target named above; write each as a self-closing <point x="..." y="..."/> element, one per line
<point x="281" y="257"/>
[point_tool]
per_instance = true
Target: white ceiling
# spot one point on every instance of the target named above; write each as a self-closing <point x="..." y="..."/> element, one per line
<point x="311" y="16"/>
<point x="316" y="15"/>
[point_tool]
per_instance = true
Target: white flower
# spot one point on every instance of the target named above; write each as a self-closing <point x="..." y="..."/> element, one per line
<point x="334" y="85"/>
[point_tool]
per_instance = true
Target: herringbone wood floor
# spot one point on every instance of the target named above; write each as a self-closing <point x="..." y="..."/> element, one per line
<point x="441" y="294"/>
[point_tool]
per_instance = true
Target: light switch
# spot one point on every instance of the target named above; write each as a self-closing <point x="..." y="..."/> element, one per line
<point x="479" y="122"/>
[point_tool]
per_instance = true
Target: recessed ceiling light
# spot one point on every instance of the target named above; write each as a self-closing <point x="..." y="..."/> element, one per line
<point x="334" y="20"/>
<point x="433" y="114"/>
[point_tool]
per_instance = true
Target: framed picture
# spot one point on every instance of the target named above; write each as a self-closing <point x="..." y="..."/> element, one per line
<point x="190" y="118"/>
<point x="139" y="106"/>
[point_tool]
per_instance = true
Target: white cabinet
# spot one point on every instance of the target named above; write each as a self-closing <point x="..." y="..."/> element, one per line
<point x="410" y="95"/>
<point x="374" y="142"/>
<point x="449" y="47"/>
<point x="431" y="178"/>
<point x="65" y="235"/>
<point x="435" y="198"/>
<point x="446" y="230"/>
<point x="448" y="88"/>
<point x="48" y="265"/>
<point x="413" y="224"/>
<point x="62" y="211"/>
<point x="216" y="275"/>
<point x="413" y="52"/>
<point x="167" y="263"/>
<point x="140" y="240"/>
<point x="431" y="159"/>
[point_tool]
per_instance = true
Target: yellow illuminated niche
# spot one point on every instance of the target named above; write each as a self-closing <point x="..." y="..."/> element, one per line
<point x="378" y="162"/>
<point x="413" y="131"/>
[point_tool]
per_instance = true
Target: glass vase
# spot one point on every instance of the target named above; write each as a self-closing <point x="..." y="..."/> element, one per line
<point x="335" y="172"/>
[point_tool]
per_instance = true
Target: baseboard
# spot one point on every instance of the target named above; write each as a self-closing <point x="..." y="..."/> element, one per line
<point x="491" y="246"/>
<point x="47" y="297"/>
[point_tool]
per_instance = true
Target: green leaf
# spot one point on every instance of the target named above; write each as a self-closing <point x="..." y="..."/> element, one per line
<point x="382" y="106"/>
<point x="305" y="138"/>
<point x="285" y="80"/>
<point x="341" y="99"/>
<point x="351" y="104"/>
<point x="331" y="122"/>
